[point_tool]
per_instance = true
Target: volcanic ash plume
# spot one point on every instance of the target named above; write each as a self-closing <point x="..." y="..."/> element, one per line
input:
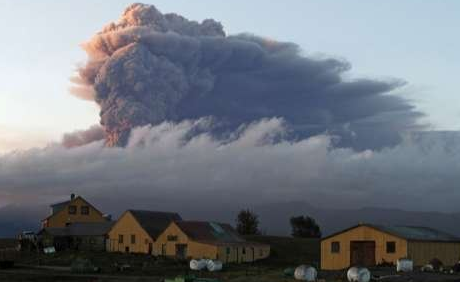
<point x="151" y="67"/>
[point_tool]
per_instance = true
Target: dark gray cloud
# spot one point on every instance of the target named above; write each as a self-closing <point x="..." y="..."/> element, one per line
<point x="150" y="67"/>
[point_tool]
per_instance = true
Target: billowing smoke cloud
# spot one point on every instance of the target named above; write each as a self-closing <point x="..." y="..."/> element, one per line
<point x="83" y="137"/>
<point x="152" y="67"/>
<point x="165" y="166"/>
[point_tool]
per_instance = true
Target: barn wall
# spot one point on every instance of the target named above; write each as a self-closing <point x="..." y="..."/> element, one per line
<point x="422" y="252"/>
<point x="127" y="225"/>
<point x="341" y="260"/>
<point x="235" y="253"/>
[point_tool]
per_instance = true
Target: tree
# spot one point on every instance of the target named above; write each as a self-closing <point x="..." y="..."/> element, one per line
<point x="247" y="223"/>
<point x="305" y="227"/>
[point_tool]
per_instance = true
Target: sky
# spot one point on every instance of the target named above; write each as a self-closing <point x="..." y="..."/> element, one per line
<point x="410" y="40"/>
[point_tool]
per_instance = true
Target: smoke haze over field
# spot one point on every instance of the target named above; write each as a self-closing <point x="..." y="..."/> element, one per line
<point x="172" y="164"/>
<point x="151" y="67"/>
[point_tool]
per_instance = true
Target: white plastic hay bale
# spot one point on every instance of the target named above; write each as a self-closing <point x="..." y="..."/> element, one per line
<point x="305" y="273"/>
<point x="198" y="264"/>
<point x="427" y="268"/>
<point x="358" y="274"/>
<point x="404" y="265"/>
<point x="214" y="265"/>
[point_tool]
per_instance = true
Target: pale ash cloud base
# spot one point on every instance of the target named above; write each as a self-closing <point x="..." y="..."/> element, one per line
<point x="12" y="139"/>
<point x="175" y="163"/>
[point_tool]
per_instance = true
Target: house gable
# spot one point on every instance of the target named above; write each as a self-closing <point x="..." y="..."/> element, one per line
<point x="82" y="211"/>
<point x="127" y="226"/>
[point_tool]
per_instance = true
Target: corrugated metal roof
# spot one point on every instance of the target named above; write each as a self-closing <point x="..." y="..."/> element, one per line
<point x="210" y="231"/>
<point x="59" y="206"/>
<point x="414" y="233"/>
<point x="417" y="233"/>
<point x="154" y="222"/>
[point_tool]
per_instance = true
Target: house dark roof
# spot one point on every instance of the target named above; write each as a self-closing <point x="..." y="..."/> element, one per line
<point x="154" y="222"/>
<point x="410" y="233"/>
<point x="210" y="232"/>
<point x="81" y="229"/>
<point x="59" y="206"/>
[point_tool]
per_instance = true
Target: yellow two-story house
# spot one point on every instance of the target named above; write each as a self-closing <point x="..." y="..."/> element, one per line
<point x="75" y="210"/>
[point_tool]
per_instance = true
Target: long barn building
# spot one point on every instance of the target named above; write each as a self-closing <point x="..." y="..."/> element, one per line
<point x="368" y="245"/>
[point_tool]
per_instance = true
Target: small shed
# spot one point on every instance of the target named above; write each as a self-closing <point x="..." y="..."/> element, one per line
<point x="369" y="245"/>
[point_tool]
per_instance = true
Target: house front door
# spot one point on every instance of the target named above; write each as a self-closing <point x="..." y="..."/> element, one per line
<point x="150" y="248"/>
<point x="362" y="253"/>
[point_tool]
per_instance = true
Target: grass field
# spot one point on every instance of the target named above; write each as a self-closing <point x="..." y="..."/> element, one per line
<point x="8" y="243"/>
<point x="287" y="251"/>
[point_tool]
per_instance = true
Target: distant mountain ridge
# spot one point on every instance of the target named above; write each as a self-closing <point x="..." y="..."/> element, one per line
<point x="332" y="220"/>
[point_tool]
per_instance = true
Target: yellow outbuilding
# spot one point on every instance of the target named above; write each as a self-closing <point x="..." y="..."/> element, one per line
<point x="208" y="240"/>
<point x="368" y="245"/>
<point x="137" y="230"/>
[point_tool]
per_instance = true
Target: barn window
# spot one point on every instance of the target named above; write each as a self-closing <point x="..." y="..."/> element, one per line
<point x="84" y="210"/>
<point x="335" y="247"/>
<point x="133" y="239"/>
<point x="120" y="239"/>
<point x="72" y="209"/>
<point x="391" y="247"/>
<point x="172" y="238"/>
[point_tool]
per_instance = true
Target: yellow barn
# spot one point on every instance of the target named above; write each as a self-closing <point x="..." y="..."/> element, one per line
<point x="368" y="245"/>
<point x="76" y="210"/>
<point x="137" y="230"/>
<point x="208" y="240"/>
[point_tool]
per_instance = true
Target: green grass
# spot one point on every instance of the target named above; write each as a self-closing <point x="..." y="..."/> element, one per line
<point x="8" y="243"/>
<point x="285" y="252"/>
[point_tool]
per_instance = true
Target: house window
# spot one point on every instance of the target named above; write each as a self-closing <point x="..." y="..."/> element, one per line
<point x="120" y="239"/>
<point x="133" y="239"/>
<point x="335" y="247"/>
<point x="391" y="247"/>
<point x="84" y="210"/>
<point x="72" y="209"/>
<point x="172" y="238"/>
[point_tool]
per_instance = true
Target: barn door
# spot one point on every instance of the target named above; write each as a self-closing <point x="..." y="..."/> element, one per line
<point x="181" y="251"/>
<point x="362" y="253"/>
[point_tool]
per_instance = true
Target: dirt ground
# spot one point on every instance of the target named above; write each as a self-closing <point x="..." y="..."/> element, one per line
<point x="23" y="274"/>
